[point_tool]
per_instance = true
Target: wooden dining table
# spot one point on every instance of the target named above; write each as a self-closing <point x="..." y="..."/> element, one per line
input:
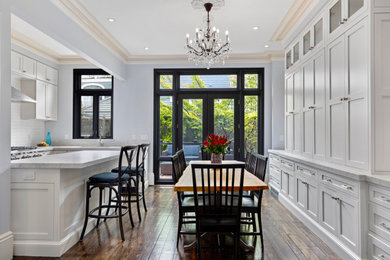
<point x="251" y="183"/>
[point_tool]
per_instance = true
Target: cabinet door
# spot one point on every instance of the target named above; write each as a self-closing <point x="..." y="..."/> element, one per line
<point x="336" y="94"/>
<point x="357" y="91"/>
<point x="291" y="186"/>
<point x="289" y="94"/>
<point x="284" y="183"/>
<point x="51" y="102"/>
<point x="301" y="191"/>
<point x="312" y="200"/>
<point x="298" y="104"/>
<point x="348" y="214"/>
<point x="40" y="108"/>
<point x="16" y="61"/>
<point x="308" y="132"/>
<point x="308" y="84"/>
<point x="289" y="132"/>
<point x="41" y="71"/>
<point x="319" y="106"/>
<point x="329" y="210"/>
<point x="28" y="66"/>
<point x="51" y="75"/>
<point x="297" y="132"/>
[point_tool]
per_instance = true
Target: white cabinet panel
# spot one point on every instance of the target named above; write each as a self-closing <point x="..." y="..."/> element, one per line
<point x="41" y="71"/>
<point x="40" y="111"/>
<point x="328" y="210"/>
<point x="297" y="133"/>
<point x="284" y="183"/>
<point x="336" y="69"/>
<point x="319" y="79"/>
<point x="51" y="75"/>
<point x="308" y="132"/>
<point x="289" y="132"/>
<point x="16" y="61"/>
<point x="349" y="225"/>
<point x="301" y="193"/>
<point x="28" y="66"/>
<point x="291" y="186"/>
<point x="51" y="102"/>
<point x="358" y="133"/>
<point x="308" y="84"/>
<point x="289" y="95"/>
<point x="337" y="125"/>
<point x="312" y="200"/>
<point x="319" y="133"/>
<point x="298" y="92"/>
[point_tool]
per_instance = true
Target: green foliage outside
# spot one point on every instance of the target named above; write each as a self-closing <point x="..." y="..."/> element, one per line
<point x="223" y="114"/>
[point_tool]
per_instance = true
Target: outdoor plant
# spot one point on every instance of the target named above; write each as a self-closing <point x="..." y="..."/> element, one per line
<point x="216" y="144"/>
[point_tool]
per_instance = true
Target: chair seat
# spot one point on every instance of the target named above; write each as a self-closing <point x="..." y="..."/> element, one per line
<point x="125" y="169"/>
<point x="107" y="177"/>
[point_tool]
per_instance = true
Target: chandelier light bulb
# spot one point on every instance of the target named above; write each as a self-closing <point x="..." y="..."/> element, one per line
<point x="226" y="32"/>
<point x="214" y="29"/>
<point x="217" y="30"/>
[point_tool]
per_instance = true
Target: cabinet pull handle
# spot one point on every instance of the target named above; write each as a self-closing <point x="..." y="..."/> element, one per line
<point x="335" y="198"/>
<point x="384" y="225"/>
<point x="312" y="107"/>
<point x="345" y="19"/>
<point x="47" y="79"/>
<point x="329" y="180"/>
<point x="291" y="113"/>
<point x="311" y="47"/>
<point x="24" y="71"/>
<point x="385" y="199"/>
<point x="303" y="182"/>
<point x="382" y="256"/>
<point x="342" y="22"/>
<point x="346" y="99"/>
<point x="347" y="187"/>
<point x="342" y="99"/>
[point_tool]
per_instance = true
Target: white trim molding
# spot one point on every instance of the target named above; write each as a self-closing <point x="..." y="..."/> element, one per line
<point x="6" y="245"/>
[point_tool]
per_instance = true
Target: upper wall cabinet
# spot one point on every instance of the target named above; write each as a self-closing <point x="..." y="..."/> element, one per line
<point x="23" y="65"/>
<point x="47" y="73"/>
<point x="341" y="11"/>
<point x="313" y="37"/>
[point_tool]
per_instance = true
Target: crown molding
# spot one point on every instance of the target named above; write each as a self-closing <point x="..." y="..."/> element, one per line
<point x="268" y="56"/>
<point x="79" y="14"/>
<point x="25" y="42"/>
<point x="297" y="13"/>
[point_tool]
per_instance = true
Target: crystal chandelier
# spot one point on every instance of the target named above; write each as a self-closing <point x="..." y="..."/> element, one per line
<point x="207" y="47"/>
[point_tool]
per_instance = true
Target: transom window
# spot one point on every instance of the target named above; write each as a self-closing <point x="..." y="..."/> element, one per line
<point x="93" y="103"/>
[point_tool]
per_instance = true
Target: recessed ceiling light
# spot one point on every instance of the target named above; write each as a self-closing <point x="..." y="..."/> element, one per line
<point x="111" y="20"/>
<point x="146" y="48"/>
<point x="266" y="46"/>
<point x="255" y="28"/>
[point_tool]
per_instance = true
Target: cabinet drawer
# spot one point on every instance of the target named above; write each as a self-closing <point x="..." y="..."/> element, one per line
<point x="339" y="183"/>
<point x="274" y="172"/>
<point x="377" y="249"/>
<point x="274" y="159"/>
<point x="305" y="171"/>
<point x="379" y="220"/>
<point x="289" y="165"/>
<point x="379" y="195"/>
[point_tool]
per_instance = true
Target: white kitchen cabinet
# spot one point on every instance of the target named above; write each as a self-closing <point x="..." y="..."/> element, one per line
<point x="341" y="12"/>
<point x="289" y="113"/>
<point x="287" y="184"/>
<point x="306" y="195"/>
<point x="297" y="116"/>
<point x="47" y="73"/>
<point x="23" y="65"/>
<point x="46" y="96"/>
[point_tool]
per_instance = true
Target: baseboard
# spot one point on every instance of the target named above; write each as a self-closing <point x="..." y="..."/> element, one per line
<point x="6" y="248"/>
<point x="50" y="248"/>
<point x="333" y="242"/>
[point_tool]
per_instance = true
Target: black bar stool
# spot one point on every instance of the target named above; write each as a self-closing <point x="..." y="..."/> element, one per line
<point x="112" y="181"/>
<point x="137" y="174"/>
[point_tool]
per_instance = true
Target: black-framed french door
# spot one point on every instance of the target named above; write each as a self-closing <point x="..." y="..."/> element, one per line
<point x="190" y="104"/>
<point x="215" y="113"/>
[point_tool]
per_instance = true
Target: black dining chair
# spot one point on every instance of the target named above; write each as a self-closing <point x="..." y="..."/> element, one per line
<point x="137" y="174"/>
<point x="250" y="162"/>
<point x="179" y="165"/>
<point x="252" y="204"/>
<point x="112" y="181"/>
<point x="218" y="210"/>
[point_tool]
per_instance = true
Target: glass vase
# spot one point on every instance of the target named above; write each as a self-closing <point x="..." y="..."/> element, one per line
<point x="216" y="158"/>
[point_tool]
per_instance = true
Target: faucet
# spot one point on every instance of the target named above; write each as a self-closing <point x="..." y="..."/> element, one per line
<point x="101" y="140"/>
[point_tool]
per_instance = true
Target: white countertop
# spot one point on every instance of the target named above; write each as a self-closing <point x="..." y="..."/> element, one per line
<point x="71" y="160"/>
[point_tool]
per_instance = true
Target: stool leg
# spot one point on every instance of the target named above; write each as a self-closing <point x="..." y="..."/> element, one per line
<point x="100" y="205"/>
<point x="120" y="212"/>
<point x="129" y="204"/>
<point x="86" y="212"/>
<point x="143" y="190"/>
<point x="136" y="182"/>
<point x="109" y="203"/>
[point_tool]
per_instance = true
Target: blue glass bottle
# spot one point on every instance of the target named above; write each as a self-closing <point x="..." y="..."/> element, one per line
<point x="48" y="138"/>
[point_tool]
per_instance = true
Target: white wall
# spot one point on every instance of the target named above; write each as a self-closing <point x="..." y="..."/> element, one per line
<point x="5" y="94"/>
<point x="133" y="104"/>
<point x="278" y="105"/>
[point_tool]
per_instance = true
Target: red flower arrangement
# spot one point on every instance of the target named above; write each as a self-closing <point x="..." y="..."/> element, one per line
<point x="216" y="144"/>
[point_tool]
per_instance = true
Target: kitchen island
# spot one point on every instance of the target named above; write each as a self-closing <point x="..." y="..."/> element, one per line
<point x="48" y="197"/>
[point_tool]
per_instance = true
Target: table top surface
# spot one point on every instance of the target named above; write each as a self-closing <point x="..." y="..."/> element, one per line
<point x="251" y="182"/>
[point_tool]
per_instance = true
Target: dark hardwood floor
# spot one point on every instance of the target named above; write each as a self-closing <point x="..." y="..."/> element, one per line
<point x="285" y="237"/>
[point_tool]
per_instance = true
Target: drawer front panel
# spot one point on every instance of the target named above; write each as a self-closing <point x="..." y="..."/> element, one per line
<point x="306" y="171"/>
<point x="286" y="164"/>
<point x="275" y="173"/>
<point x="377" y="249"/>
<point x="274" y="160"/>
<point x="339" y="183"/>
<point x="379" y="219"/>
<point x="379" y="195"/>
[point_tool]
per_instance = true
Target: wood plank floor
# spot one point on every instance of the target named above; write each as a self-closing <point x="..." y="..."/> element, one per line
<point x="285" y="237"/>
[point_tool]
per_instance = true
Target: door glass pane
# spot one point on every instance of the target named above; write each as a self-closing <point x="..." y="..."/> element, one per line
<point x="166" y="126"/>
<point x="96" y="82"/>
<point x="224" y="122"/>
<point x="165" y="170"/>
<point x="105" y="103"/>
<point x="288" y="59"/>
<point x="251" y="124"/>
<point x="335" y="16"/>
<point x="192" y="128"/>
<point x="208" y="81"/>
<point x="251" y="80"/>
<point x="166" y="82"/>
<point x="86" y="117"/>
<point x="318" y="32"/>
<point x="354" y="6"/>
<point x="296" y="52"/>
<point x="306" y="43"/>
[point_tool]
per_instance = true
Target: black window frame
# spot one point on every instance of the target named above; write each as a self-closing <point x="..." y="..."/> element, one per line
<point x="95" y="93"/>
<point x="176" y="91"/>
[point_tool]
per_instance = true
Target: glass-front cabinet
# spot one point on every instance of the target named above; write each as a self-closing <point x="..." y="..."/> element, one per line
<point x="296" y="52"/>
<point x="288" y="60"/>
<point x="318" y="32"/>
<point x="341" y="11"/>
<point x="307" y="42"/>
<point x="313" y="37"/>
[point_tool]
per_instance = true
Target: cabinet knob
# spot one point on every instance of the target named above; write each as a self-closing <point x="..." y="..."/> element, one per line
<point x="342" y="22"/>
<point x="312" y="107"/>
<point x="384" y="225"/>
<point x="47" y="79"/>
<point x="347" y="187"/>
<point x="345" y="19"/>
<point x="291" y="113"/>
<point x="24" y="71"/>
<point x="335" y="198"/>
<point x="311" y="47"/>
<point x="382" y="256"/>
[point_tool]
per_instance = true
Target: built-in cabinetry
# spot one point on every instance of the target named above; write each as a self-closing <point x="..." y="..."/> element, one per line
<point x="39" y="81"/>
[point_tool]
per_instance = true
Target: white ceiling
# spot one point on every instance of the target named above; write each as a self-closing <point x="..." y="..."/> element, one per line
<point x="38" y="37"/>
<point x="161" y="25"/>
